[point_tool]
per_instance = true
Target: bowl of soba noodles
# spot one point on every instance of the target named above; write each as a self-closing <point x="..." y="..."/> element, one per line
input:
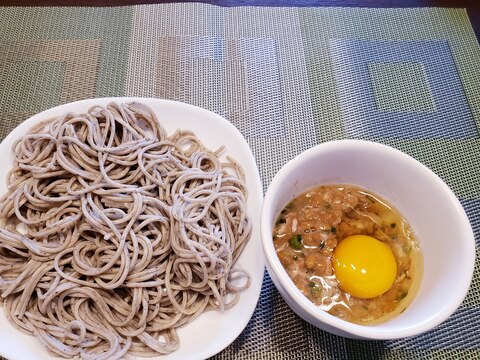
<point x="364" y="241"/>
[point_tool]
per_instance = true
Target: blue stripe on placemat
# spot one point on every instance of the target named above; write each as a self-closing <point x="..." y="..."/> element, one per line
<point x="461" y="323"/>
<point x="362" y="115"/>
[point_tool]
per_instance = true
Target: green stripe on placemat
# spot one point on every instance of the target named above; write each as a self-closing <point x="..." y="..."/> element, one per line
<point x="288" y="79"/>
<point x="92" y="43"/>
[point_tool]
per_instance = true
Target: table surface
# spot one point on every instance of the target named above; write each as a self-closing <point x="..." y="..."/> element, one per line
<point x="403" y="73"/>
<point x="472" y="6"/>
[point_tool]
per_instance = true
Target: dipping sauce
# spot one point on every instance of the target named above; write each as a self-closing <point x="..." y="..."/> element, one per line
<point x="350" y="252"/>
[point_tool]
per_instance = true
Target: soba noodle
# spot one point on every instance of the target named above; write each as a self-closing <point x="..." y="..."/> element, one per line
<point x="113" y="234"/>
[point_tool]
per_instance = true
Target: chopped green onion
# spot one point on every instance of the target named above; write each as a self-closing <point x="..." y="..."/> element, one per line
<point x="327" y="206"/>
<point x="311" y="284"/>
<point x="315" y="290"/>
<point x="296" y="242"/>
<point x="402" y="296"/>
<point x="322" y="245"/>
<point x="295" y="257"/>
<point x="334" y="230"/>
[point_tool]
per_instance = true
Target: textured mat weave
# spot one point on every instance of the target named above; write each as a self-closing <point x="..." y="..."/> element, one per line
<point x="288" y="78"/>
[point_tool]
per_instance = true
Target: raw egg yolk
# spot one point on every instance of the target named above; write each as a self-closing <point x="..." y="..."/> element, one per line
<point x="364" y="266"/>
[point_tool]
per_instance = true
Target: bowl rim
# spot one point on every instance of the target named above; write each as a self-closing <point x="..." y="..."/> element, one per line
<point x="377" y="332"/>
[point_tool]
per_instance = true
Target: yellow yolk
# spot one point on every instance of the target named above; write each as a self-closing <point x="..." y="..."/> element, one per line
<point x="364" y="266"/>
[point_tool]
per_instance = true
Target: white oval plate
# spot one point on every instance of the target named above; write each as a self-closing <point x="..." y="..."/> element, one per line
<point x="212" y="331"/>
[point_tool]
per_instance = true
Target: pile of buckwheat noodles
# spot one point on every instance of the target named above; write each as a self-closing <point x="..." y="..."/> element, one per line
<point x="113" y="234"/>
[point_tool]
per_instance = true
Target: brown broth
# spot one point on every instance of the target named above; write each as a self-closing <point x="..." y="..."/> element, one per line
<point x="308" y="230"/>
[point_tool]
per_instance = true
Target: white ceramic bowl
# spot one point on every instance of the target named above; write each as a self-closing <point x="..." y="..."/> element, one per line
<point x="437" y="217"/>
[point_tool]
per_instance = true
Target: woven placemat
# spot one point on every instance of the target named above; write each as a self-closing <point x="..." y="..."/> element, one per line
<point x="288" y="78"/>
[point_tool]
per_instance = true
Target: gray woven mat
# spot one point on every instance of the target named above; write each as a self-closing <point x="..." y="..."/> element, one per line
<point x="288" y="78"/>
